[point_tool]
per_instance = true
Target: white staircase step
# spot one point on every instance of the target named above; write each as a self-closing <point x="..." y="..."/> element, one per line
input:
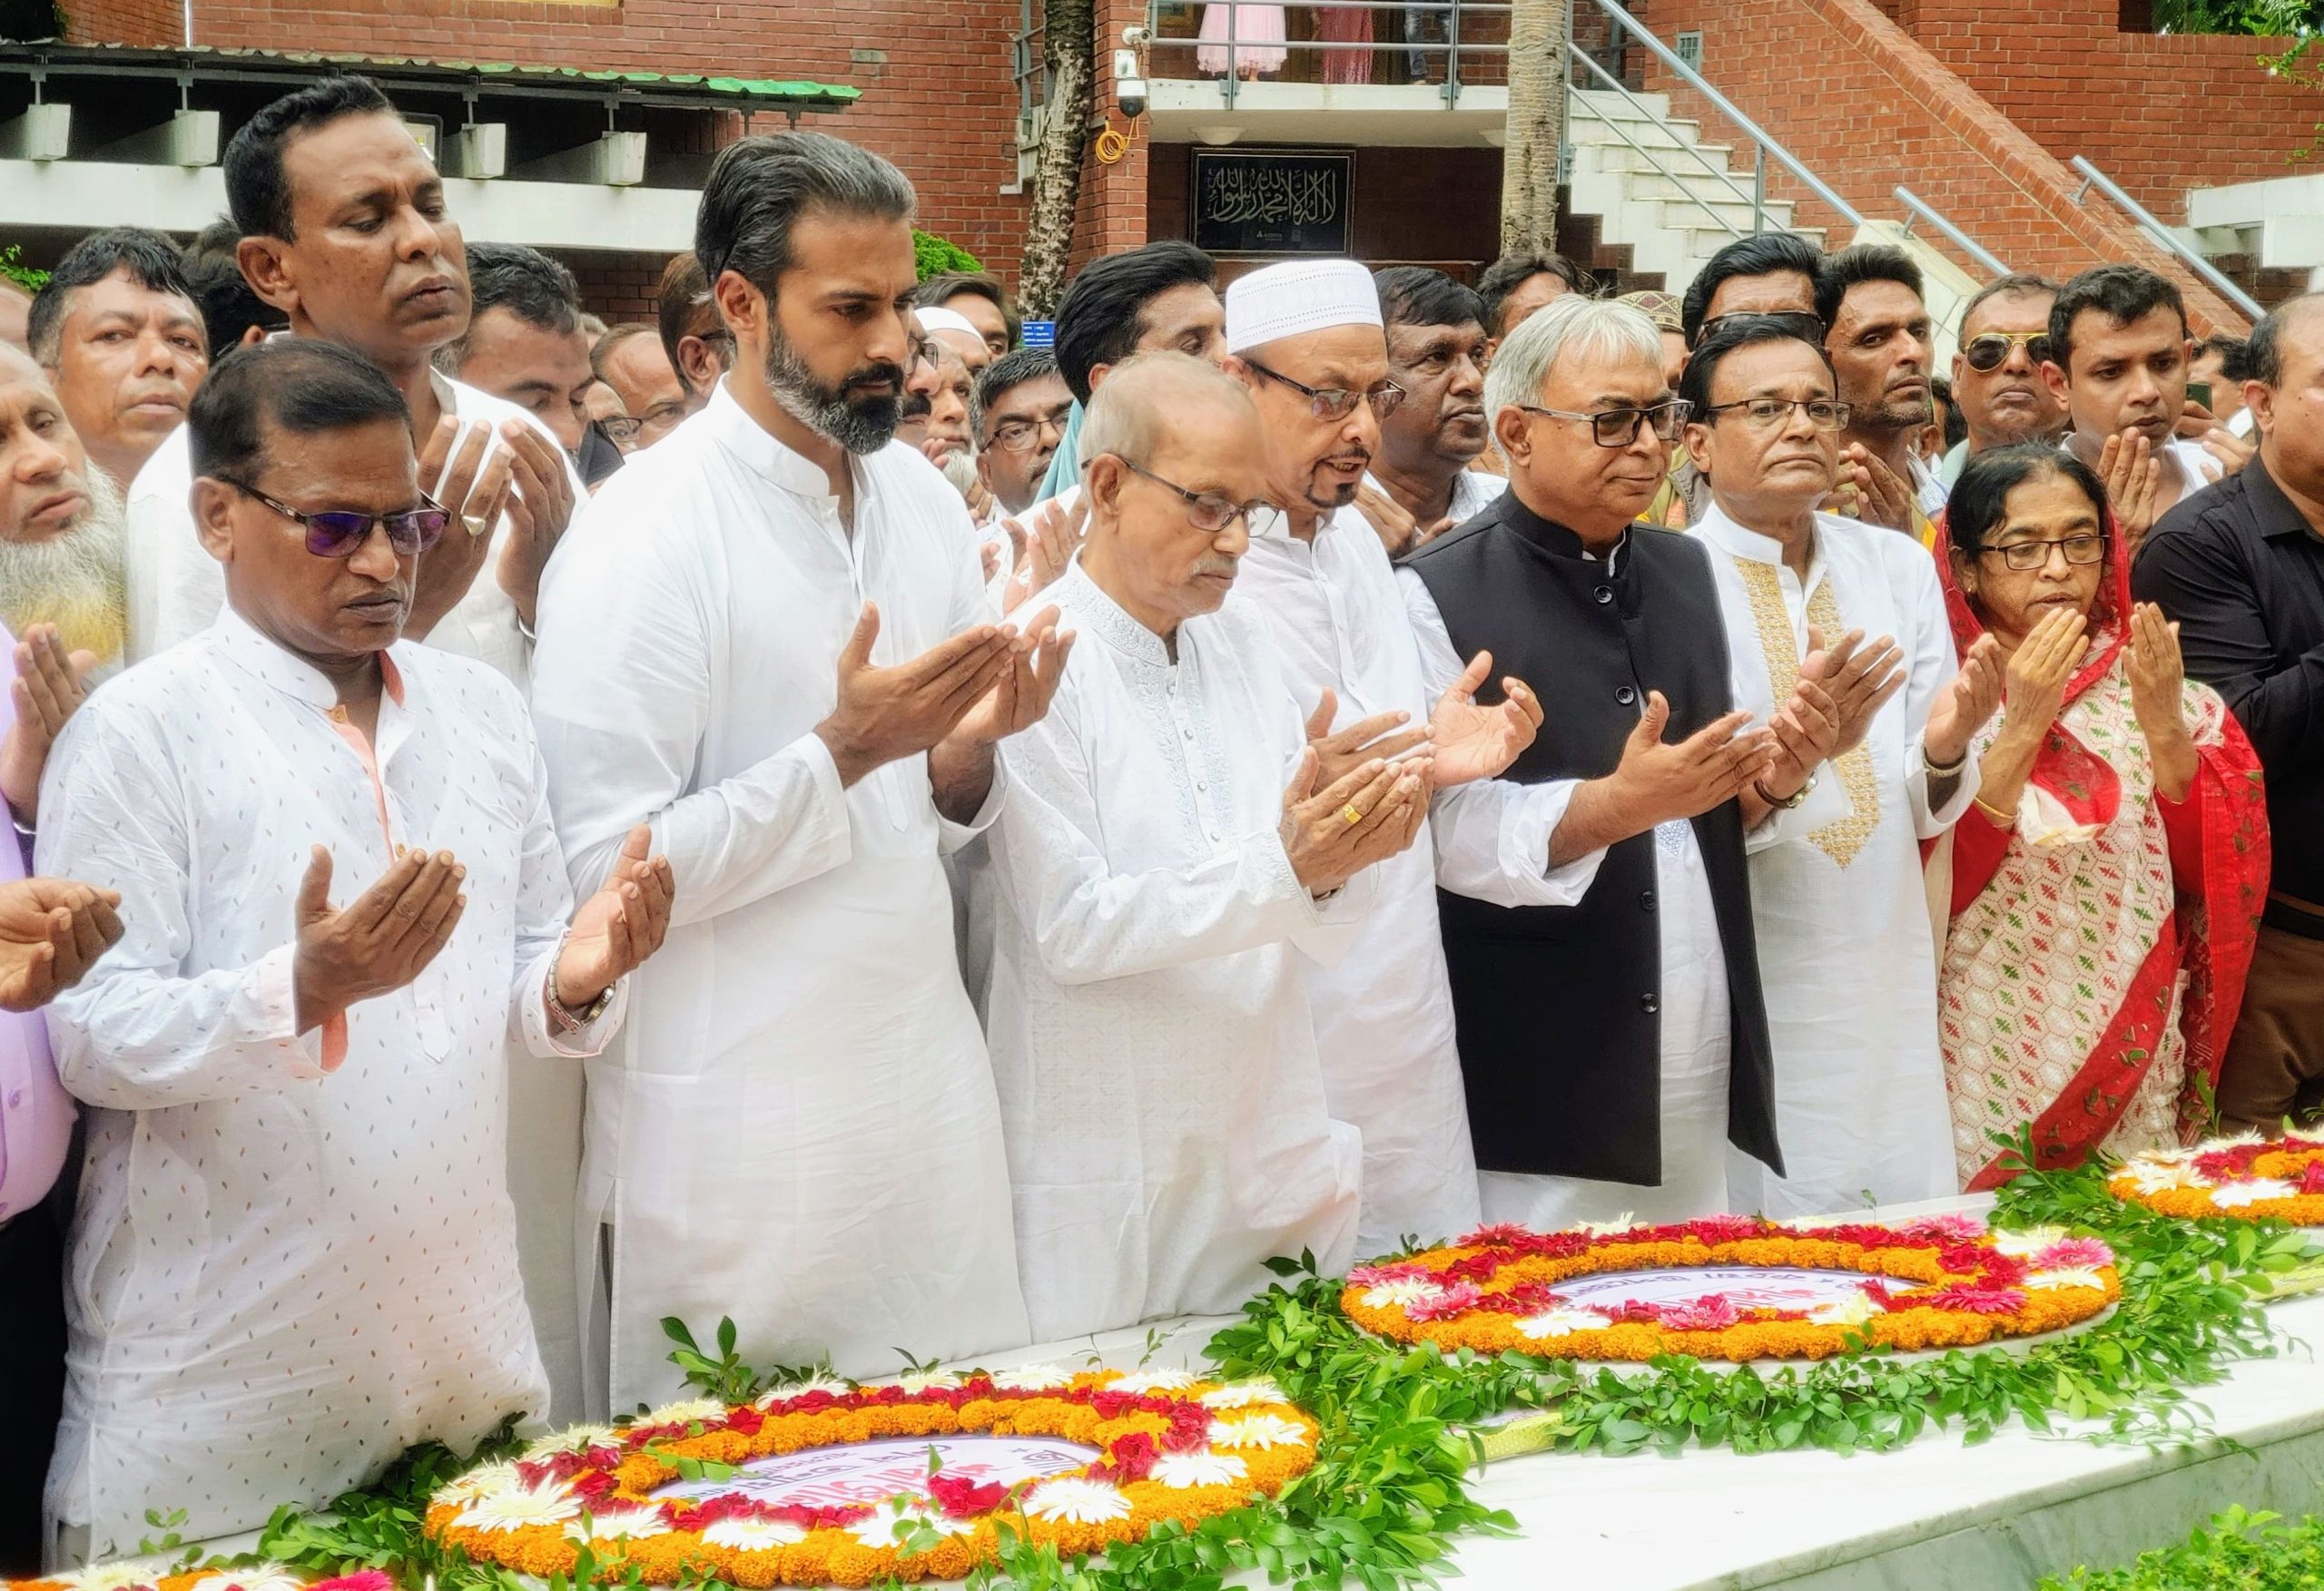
<point x="1621" y="157"/>
<point x="1664" y="134"/>
<point x="1615" y="107"/>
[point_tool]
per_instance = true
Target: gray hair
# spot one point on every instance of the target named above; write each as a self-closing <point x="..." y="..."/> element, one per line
<point x="2265" y="350"/>
<point x="760" y="186"/>
<point x="1124" y="416"/>
<point x="1526" y="355"/>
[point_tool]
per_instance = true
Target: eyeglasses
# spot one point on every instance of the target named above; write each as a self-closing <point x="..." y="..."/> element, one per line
<point x="1336" y="403"/>
<point x="1618" y="427"/>
<point x="621" y="430"/>
<point x="337" y="532"/>
<point x="1022" y="436"/>
<point x="2026" y="556"/>
<point x="918" y="351"/>
<point x="1765" y="414"/>
<point x="1805" y="324"/>
<point x="1989" y="350"/>
<point x="1205" y="511"/>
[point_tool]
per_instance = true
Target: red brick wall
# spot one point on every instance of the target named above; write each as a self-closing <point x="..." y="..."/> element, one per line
<point x="936" y="100"/>
<point x="2160" y="113"/>
<point x="616" y="286"/>
<point x="1871" y="108"/>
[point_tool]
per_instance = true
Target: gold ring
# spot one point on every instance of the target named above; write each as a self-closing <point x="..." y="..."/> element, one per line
<point x="478" y="524"/>
<point x="1351" y="814"/>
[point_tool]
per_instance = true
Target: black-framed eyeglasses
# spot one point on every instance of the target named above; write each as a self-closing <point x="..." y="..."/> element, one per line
<point x="1765" y="414"/>
<point x="2026" y="556"/>
<point x="338" y="532"/>
<point x="1022" y="436"/>
<point x="1336" y="403"/>
<point x="1989" y="350"/>
<point x="1618" y="427"/>
<point x="1205" y="511"/>
<point x="1805" y="324"/>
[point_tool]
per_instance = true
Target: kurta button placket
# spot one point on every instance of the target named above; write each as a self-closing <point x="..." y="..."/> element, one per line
<point x="1649" y="1004"/>
<point x="1624" y="694"/>
<point x="1604" y="594"/>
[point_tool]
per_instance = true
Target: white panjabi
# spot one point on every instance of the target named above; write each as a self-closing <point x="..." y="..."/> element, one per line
<point x="1298" y="296"/>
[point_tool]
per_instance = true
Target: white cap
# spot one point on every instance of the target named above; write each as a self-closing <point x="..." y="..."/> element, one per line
<point x="938" y="318"/>
<point x="1299" y="295"/>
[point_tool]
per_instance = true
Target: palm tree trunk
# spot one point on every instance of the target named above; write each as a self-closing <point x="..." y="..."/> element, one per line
<point x="1068" y="35"/>
<point x="1529" y="157"/>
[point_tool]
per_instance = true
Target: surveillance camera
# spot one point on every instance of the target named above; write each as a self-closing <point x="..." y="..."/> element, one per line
<point x="1129" y="84"/>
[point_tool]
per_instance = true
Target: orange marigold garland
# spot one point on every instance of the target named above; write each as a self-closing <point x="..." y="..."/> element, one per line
<point x="1170" y="1447"/>
<point x="1940" y="1282"/>
<point x="2248" y="1178"/>
<point x="147" y="1577"/>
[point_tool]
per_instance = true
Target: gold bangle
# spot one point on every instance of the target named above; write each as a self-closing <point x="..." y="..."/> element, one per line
<point x="2001" y="819"/>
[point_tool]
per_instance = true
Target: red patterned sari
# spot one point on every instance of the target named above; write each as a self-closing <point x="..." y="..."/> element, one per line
<point x="2098" y="948"/>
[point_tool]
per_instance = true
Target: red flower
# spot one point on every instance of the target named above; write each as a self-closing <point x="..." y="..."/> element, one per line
<point x="1970" y="1298"/>
<point x="595" y="1487"/>
<point x="1506" y="1232"/>
<point x="362" y="1580"/>
<point x="1476" y="1267"/>
<point x="2311" y="1177"/>
<point x="2002" y="1269"/>
<point x="1715" y="1230"/>
<point x="1132" y="1458"/>
<point x="744" y="1420"/>
<point x="1712" y="1313"/>
<point x="821" y="1518"/>
<point x="1967" y="1259"/>
<point x="1189" y="1428"/>
<point x="963" y="1498"/>
<point x="1457" y="1299"/>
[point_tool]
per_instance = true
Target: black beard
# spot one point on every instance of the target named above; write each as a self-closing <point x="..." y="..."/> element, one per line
<point x="863" y="424"/>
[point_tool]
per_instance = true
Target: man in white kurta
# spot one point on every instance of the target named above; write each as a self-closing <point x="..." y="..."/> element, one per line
<point x="295" y="1254"/>
<point x="1319" y="573"/>
<point x="1154" y="933"/>
<point x="1846" y="952"/>
<point x="803" y="1134"/>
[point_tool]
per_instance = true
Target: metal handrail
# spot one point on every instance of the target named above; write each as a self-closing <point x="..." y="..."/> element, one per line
<point x="1709" y="167"/>
<point x="1758" y="135"/>
<point x="1449" y="50"/>
<point x="1961" y="239"/>
<point x="2092" y="177"/>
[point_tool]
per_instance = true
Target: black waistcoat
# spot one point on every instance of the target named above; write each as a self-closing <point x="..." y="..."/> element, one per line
<point x="1558" y="1008"/>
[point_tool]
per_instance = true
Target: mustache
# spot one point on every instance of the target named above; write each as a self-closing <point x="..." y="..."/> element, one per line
<point x="868" y="375"/>
<point x="1217" y="563"/>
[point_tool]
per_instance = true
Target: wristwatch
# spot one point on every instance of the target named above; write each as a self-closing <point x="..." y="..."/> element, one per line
<point x="562" y="1017"/>
<point x="1798" y="796"/>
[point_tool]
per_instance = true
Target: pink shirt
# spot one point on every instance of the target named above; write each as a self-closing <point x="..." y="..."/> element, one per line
<point x="35" y="1112"/>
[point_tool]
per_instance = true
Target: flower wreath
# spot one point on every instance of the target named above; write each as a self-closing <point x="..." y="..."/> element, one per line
<point x="1939" y="1282"/>
<point x="2248" y="1178"/>
<point x="1171" y="1447"/>
<point x="150" y="1576"/>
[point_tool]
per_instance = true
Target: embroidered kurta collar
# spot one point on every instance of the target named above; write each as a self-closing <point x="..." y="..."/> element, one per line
<point x="1108" y="620"/>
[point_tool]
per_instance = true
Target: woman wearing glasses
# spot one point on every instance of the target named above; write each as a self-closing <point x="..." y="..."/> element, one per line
<point x="2107" y="880"/>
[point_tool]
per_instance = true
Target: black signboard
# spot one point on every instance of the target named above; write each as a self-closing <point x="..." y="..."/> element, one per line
<point x="1272" y="200"/>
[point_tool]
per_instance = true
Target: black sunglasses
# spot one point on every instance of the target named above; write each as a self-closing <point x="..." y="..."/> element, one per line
<point x="337" y="533"/>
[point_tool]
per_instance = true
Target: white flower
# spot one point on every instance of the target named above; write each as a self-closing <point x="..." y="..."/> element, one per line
<point x="2026" y="1243"/>
<point x="1257" y="1430"/>
<point x="1076" y="1500"/>
<point x="485" y="1480"/>
<point x="1561" y="1322"/>
<point x="889" y="1529"/>
<point x="2068" y="1276"/>
<point x="118" y="1576"/>
<point x="1845" y="1312"/>
<point x="257" y="1577"/>
<point x="1180" y="1471"/>
<point x="753" y="1535"/>
<point x="1152" y="1381"/>
<point x="513" y="1510"/>
<point x="819" y="1380"/>
<point x="579" y="1439"/>
<point x="1403" y="1292"/>
<point x="621" y="1525"/>
<point x="1033" y="1377"/>
<point x="684" y="1411"/>
<point x="2238" y="1141"/>
<point x="2159" y="1177"/>
<point x="2235" y="1196"/>
<point x="1621" y="1223"/>
<point x="928" y="1381"/>
<point x="1243" y="1394"/>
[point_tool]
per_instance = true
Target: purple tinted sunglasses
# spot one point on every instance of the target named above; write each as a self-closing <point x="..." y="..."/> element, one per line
<point x="337" y="532"/>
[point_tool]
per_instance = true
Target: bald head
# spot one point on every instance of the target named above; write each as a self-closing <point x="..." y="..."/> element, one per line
<point x="15" y="314"/>
<point x="1172" y="464"/>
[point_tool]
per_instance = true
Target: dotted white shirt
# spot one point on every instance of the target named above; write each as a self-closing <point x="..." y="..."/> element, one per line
<point x="280" y="1275"/>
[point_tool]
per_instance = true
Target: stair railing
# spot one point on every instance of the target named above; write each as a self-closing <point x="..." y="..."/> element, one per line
<point x="1922" y="210"/>
<point x="2092" y="177"/>
<point x="1756" y="200"/>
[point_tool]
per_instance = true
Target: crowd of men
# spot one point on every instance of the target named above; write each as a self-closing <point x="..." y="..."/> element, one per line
<point x="1016" y="839"/>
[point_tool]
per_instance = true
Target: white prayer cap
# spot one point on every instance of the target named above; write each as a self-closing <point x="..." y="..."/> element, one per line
<point x="1299" y="295"/>
<point x="935" y="320"/>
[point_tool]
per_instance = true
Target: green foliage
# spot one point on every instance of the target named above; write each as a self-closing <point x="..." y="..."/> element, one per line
<point x="13" y="267"/>
<point x="2267" y="19"/>
<point x="2191" y="1304"/>
<point x="936" y="255"/>
<point x="2236" y="1552"/>
<point x="378" y="1526"/>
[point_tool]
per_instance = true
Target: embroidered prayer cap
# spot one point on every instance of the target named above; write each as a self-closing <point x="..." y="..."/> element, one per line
<point x="1660" y="307"/>
<point x="934" y="320"/>
<point x="1298" y="296"/>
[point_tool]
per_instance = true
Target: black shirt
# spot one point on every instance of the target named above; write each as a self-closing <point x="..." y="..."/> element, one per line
<point x="2243" y="573"/>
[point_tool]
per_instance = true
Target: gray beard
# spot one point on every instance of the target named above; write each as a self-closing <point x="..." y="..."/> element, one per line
<point x="73" y="579"/>
<point x="863" y="426"/>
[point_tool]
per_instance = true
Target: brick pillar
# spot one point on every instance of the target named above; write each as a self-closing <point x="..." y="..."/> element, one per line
<point x="1112" y="215"/>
